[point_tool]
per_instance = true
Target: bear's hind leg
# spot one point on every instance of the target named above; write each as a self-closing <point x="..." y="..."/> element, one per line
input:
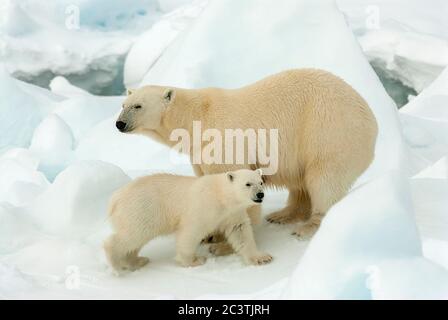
<point x="298" y="208"/>
<point x="326" y="185"/>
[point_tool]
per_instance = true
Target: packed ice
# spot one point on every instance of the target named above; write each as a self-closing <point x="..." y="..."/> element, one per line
<point x="61" y="156"/>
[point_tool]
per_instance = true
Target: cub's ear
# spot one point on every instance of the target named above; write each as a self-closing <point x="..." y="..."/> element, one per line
<point x="230" y="176"/>
<point x="129" y="91"/>
<point x="169" y="95"/>
<point x="260" y="172"/>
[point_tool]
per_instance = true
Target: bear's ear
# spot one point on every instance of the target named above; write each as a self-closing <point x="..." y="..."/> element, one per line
<point x="169" y="95"/>
<point x="260" y="172"/>
<point x="129" y="91"/>
<point x="230" y="176"/>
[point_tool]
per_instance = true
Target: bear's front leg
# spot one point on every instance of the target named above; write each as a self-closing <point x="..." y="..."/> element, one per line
<point x="305" y="231"/>
<point x="297" y="209"/>
<point x="187" y="242"/>
<point x="241" y="238"/>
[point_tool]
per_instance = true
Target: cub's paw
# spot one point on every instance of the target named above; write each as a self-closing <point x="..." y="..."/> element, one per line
<point x="194" y="262"/>
<point x="198" y="261"/>
<point x="137" y="263"/>
<point x="262" y="258"/>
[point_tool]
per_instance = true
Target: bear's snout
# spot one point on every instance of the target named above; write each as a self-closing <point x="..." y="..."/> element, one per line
<point x="120" y="125"/>
<point x="259" y="197"/>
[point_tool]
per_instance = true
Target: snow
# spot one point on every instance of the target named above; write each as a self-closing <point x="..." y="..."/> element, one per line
<point x="20" y="179"/>
<point x="438" y="170"/>
<point x="82" y="113"/>
<point x="405" y="40"/>
<point x="132" y="153"/>
<point x="61" y="86"/>
<point x="86" y="41"/>
<point x="53" y="143"/>
<point x="24" y="113"/>
<point x="413" y="278"/>
<point x="78" y="197"/>
<point x="61" y="156"/>
<point x="151" y="44"/>
<point x="425" y="122"/>
<point x="13" y="281"/>
<point x="385" y="231"/>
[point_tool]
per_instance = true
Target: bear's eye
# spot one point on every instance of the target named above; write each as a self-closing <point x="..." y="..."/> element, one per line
<point x="248" y="184"/>
<point x="137" y="107"/>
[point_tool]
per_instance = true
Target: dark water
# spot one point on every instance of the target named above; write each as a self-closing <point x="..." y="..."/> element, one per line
<point x="110" y="82"/>
<point x="397" y="90"/>
<point x="98" y="80"/>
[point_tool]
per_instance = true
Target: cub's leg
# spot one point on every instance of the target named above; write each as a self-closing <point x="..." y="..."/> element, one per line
<point x="326" y="185"/>
<point x="241" y="238"/>
<point x="135" y="262"/>
<point x="219" y="246"/>
<point x="214" y="238"/>
<point x="221" y="249"/>
<point x="298" y="208"/>
<point x="187" y="242"/>
<point x="115" y="252"/>
<point x="122" y="252"/>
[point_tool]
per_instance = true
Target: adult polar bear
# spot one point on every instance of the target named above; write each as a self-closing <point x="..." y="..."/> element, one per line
<point x="326" y="133"/>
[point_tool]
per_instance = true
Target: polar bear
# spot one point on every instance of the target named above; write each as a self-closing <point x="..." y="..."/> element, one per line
<point x="192" y="207"/>
<point x="326" y="133"/>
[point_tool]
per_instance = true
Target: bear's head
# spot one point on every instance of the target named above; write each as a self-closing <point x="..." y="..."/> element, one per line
<point x="143" y="109"/>
<point x="246" y="185"/>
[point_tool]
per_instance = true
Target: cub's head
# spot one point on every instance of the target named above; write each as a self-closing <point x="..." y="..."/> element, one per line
<point x="143" y="109"/>
<point x="247" y="186"/>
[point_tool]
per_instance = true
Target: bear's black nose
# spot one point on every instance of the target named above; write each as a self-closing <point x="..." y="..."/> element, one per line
<point x="120" y="125"/>
<point x="260" y="195"/>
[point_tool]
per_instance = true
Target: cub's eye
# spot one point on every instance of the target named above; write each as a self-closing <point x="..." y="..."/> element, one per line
<point x="248" y="184"/>
<point x="261" y="183"/>
<point x="137" y="107"/>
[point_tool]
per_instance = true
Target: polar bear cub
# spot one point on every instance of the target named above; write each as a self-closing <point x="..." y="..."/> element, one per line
<point x="191" y="207"/>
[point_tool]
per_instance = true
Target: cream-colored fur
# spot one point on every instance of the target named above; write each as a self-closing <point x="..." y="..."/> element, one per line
<point x="189" y="206"/>
<point x="327" y="133"/>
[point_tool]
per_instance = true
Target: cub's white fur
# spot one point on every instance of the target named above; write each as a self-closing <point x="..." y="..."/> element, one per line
<point x="192" y="207"/>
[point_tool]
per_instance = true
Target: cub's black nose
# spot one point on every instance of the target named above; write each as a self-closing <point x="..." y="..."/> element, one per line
<point x="120" y="125"/>
<point x="260" y="195"/>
